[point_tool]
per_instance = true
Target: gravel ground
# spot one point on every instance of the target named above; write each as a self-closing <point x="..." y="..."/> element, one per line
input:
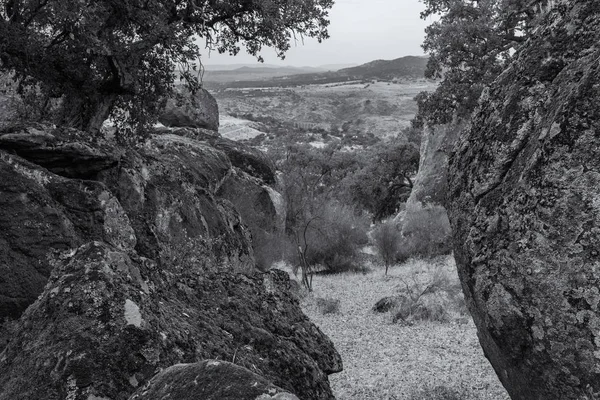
<point x="382" y="360"/>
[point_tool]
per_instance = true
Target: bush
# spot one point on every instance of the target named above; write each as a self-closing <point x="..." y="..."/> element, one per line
<point x="440" y="392"/>
<point x="328" y="305"/>
<point x="429" y="300"/>
<point x="334" y="238"/>
<point x="387" y="239"/>
<point x="426" y="232"/>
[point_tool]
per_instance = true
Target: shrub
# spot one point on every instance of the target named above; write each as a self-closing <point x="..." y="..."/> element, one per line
<point x="334" y="238"/>
<point x="440" y="392"/>
<point x="429" y="300"/>
<point x="328" y="305"/>
<point x="387" y="239"/>
<point x="426" y="232"/>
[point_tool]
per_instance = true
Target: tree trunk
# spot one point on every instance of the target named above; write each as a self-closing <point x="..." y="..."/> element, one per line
<point x="87" y="114"/>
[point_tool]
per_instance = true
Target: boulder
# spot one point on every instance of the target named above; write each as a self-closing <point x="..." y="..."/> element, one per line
<point x="388" y="303"/>
<point x="168" y="188"/>
<point x="43" y="216"/>
<point x="108" y="321"/>
<point x="524" y="204"/>
<point x="252" y="189"/>
<point x="210" y="380"/>
<point x="255" y="201"/>
<point x="199" y="110"/>
<point x="250" y="160"/>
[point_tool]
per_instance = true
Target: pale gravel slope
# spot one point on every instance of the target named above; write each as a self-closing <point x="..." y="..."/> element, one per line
<point x="389" y="361"/>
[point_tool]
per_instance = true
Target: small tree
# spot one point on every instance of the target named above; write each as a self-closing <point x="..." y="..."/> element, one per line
<point x="385" y="182"/>
<point x="387" y="238"/>
<point x="98" y="54"/>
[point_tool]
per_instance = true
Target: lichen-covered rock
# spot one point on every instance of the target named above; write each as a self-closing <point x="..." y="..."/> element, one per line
<point x="168" y="187"/>
<point x="43" y="215"/>
<point x="107" y="322"/>
<point x="210" y="380"/>
<point x="524" y="205"/>
<point x="195" y="111"/>
<point x="253" y="200"/>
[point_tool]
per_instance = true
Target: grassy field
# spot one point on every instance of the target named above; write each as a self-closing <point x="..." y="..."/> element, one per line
<point x="385" y="360"/>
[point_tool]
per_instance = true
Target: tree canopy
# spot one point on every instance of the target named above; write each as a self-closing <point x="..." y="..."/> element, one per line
<point x="96" y="55"/>
<point x="469" y="45"/>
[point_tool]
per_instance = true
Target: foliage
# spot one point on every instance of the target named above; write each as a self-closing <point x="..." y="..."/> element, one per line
<point x="386" y="180"/>
<point x="102" y="55"/>
<point x="426" y="231"/>
<point x="333" y="238"/>
<point x="387" y="238"/>
<point x="429" y="300"/>
<point x="328" y="305"/>
<point x="327" y="191"/>
<point x="469" y="45"/>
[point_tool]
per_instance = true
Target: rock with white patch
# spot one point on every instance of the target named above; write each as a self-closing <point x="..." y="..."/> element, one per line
<point x="108" y="321"/>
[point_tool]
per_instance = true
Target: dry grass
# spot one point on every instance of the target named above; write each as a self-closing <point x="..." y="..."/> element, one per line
<point x="383" y="360"/>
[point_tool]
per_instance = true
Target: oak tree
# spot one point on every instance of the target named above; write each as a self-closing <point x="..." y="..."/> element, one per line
<point x="96" y="55"/>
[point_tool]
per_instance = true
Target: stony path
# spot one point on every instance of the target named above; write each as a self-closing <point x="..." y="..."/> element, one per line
<point x="389" y="361"/>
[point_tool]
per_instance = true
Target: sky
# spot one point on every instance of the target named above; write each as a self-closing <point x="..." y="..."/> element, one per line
<point x="360" y="31"/>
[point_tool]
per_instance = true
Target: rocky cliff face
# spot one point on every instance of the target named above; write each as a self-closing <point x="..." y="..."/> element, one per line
<point x="132" y="261"/>
<point x="431" y="182"/>
<point x="524" y="206"/>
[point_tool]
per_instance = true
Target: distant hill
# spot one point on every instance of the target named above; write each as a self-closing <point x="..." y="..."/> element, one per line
<point x="404" y="67"/>
<point x="409" y="67"/>
<point x="254" y="72"/>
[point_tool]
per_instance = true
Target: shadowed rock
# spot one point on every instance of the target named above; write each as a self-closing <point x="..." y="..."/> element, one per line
<point x="42" y="217"/>
<point x="524" y="205"/>
<point x="210" y="380"/>
<point x="388" y="303"/>
<point x="252" y="161"/>
<point x="66" y="152"/>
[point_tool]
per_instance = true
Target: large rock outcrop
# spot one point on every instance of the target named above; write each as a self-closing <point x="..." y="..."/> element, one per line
<point x="41" y="216"/>
<point x="524" y="205"/>
<point x="159" y="199"/>
<point x="145" y="264"/>
<point x="107" y="322"/>
<point x="168" y="187"/>
<point x="431" y="182"/>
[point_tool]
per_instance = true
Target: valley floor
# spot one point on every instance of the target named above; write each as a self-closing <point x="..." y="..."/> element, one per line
<point x="385" y="360"/>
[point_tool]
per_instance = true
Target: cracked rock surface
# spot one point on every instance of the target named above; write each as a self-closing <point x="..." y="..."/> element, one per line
<point x="524" y="204"/>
